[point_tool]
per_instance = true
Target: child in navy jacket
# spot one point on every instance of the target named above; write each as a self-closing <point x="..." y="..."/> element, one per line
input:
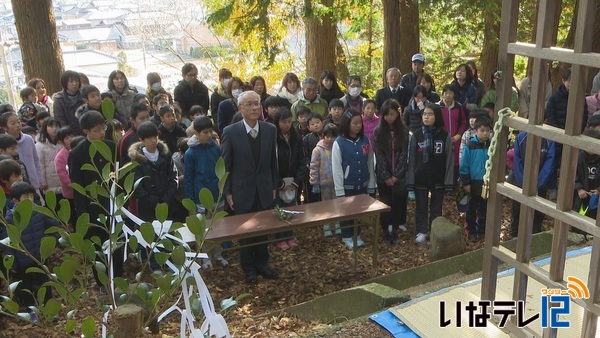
<point x="159" y="184"/>
<point x="352" y="163"/>
<point x="472" y="170"/>
<point x="31" y="236"/>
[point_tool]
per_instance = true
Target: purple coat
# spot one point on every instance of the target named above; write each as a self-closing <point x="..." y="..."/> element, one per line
<point x="29" y="156"/>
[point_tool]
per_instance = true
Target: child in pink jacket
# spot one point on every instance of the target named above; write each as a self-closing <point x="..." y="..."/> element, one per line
<point x="65" y="138"/>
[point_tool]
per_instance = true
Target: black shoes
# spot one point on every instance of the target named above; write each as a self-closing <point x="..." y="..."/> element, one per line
<point x="267" y="273"/>
<point x="251" y="278"/>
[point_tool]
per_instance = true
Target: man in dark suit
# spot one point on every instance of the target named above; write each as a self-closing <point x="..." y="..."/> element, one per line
<point x="248" y="148"/>
<point x="393" y="90"/>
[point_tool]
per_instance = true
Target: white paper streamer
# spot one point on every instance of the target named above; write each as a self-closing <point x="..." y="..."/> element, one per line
<point x="214" y="323"/>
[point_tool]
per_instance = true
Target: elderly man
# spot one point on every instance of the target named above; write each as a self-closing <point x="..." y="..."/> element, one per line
<point x="248" y="148"/>
<point x="393" y="90"/>
<point x="310" y="99"/>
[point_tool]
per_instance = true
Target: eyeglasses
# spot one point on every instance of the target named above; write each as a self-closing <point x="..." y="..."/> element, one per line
<point x="99" y="129"/>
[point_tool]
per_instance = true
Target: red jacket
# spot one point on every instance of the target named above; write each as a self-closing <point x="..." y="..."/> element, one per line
<point x="455" y="122"/>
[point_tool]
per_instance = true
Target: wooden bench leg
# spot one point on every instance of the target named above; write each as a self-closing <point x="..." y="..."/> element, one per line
<point x="377" y="225"/>
<point x="355" y="247"/>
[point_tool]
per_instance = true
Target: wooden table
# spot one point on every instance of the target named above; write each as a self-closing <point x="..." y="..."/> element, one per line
<point x="362" y="208"/>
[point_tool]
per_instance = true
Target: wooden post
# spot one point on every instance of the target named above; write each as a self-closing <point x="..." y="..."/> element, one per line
<point x="128" y="321"/>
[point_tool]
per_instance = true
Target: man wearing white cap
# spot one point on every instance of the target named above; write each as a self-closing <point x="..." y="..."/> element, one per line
<point x="409" y="80"/>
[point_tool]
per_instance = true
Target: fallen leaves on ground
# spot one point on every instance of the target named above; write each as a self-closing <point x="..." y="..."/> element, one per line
<point x="319" y="266"/>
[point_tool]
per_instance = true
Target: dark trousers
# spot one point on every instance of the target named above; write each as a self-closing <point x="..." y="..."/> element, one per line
<point x="30" y="282"/>
<point x="476" y="215"/>
<point x="427" y="212"/>
<point x="538" y="217"/>
<point x="396" y="197"/>
<point x="253" y="258"/>
<point x="347" y="229"/>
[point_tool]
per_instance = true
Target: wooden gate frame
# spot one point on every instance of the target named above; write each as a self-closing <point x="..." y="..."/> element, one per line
<point x="581" y="59"/>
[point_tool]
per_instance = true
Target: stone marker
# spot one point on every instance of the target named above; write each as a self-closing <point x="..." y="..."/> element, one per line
<point x="446" y="239"/>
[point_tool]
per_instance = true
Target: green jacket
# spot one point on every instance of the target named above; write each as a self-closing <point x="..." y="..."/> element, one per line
<point x="490" y="96"/>
<point x="318" y="105"/>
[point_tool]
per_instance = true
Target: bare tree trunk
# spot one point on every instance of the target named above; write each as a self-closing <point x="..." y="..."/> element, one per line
<point x="554" y="34"/>
<point x="370" y="40"/>
<point x="491" y="36"/>
<point x="391" y="35"/>
<point x="555" y="75"/>
<point x="321" y="41"/>
<point x="42" y="55"/>
<point x="342" y="71"/>
<point x="410" y="38"/>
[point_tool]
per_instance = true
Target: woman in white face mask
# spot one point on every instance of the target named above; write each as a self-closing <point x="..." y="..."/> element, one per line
<point x="353" y="99"/>
<point x="228" y="108"/>
<point x="155" y="86"/>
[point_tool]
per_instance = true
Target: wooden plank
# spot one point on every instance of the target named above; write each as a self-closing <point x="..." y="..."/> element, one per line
<point x="555" y="53"/>
<point x="589" y="324"/>
<point x="508" y="33"/>
<point x="582" y="142"/>
<point x="549" y="209"/>
<point x="583" y="43"/>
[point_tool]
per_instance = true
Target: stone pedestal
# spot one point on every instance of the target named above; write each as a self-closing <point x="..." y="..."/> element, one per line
<point x="446" y="239"/>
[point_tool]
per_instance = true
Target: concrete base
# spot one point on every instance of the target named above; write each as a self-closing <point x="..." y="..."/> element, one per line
<point x="348" y="304"/>
<point x="382" y="292"/>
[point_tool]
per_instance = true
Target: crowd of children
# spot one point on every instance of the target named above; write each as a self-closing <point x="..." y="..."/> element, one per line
<point x="407" y="144"/>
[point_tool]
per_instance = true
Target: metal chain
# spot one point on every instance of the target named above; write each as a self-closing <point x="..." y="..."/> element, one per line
<point x="489" y="164"/>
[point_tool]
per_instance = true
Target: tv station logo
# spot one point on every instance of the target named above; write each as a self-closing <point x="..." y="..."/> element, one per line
<point x="554" y="303"/>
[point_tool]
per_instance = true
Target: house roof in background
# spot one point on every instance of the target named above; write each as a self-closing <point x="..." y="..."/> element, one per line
<point x="90" y="34"/>
<point x="87" y="57"/>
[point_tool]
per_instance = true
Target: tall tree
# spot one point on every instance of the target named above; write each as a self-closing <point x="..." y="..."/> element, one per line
<point x="321" y="38"/>
<point x="491" y="36"/>
<point x="391" y="35"/>
<point x="38" y="38"/>
<point x="410" y="38"/>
